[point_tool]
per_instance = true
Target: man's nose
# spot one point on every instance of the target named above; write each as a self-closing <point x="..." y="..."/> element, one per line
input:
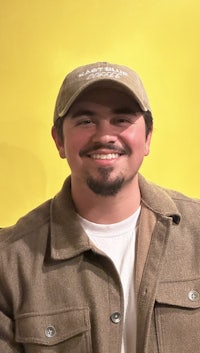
<point x="104" y="133"/>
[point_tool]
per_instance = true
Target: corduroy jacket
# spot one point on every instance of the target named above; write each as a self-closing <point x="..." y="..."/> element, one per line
<point x="60" y="294"/>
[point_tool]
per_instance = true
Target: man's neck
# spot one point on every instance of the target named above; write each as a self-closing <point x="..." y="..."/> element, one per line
<point x="106" y="209"/>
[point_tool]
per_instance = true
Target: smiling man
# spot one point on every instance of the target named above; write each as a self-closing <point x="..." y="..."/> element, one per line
<point x="111" y="264"/>
<point x="104" y="140"/>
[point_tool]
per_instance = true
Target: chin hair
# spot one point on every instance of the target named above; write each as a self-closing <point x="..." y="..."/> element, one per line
<point x="105" y="188"/>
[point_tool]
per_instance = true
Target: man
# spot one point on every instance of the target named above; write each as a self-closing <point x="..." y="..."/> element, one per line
<point x="111" y="264"/>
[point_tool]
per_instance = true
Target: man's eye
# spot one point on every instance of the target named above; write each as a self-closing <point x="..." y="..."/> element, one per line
<point x="123" y="120"/>
<point x="127" y="119"/>
<point x="84" y="122"/>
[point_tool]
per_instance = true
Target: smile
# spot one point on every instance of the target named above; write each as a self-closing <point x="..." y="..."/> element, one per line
<point x="105" y="156"/>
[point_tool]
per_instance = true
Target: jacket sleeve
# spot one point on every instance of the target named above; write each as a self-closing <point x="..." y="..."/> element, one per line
<point x="7" y="323"/>
<point x="7" y="340"/>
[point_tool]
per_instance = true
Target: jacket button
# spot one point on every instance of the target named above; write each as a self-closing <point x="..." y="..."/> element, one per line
<point x="115" y="318"/>
<point x="50" y="331"/>
<point x="193" y="295"/>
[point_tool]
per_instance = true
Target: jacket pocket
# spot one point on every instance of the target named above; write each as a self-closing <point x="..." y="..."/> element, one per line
<point x="177" y="317"/>
<point x="56" y="332"/>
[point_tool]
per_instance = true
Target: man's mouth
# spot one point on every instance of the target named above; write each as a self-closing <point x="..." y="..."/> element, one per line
<point x="104" y="156"/>
<point x="104" y="152"/>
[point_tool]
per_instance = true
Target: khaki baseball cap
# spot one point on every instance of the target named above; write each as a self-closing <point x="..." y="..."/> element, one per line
<point x="103" y="73"/>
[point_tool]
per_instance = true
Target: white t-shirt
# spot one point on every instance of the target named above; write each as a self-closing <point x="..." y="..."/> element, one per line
<point x="118" y="242"/>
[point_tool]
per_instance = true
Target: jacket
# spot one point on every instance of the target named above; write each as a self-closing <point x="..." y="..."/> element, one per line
<point x="60" y="294"/>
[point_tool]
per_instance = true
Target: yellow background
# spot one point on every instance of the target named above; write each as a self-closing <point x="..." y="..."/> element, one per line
<point x="41" y="40"/>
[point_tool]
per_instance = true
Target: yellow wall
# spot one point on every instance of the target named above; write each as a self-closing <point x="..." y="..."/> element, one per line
<point x="41" y="40"/>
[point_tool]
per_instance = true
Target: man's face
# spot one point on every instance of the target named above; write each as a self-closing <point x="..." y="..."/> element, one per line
<point x="104" y="140"/>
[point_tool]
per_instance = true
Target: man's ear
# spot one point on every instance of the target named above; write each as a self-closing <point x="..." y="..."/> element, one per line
<point x="148" y="143"/>
<point x="58" y="141"/>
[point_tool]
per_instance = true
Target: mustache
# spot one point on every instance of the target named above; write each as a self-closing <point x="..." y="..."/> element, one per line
<point x="107" y="146"/>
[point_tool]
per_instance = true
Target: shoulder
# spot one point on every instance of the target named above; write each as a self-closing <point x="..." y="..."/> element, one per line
<point x="28" y="224"/>
<point x="166" y="201"/>
<point x="180" y="198"/>
<point x="188" y="207"/>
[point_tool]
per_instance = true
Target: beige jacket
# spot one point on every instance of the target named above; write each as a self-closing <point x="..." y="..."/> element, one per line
<point x="59" y="294"/>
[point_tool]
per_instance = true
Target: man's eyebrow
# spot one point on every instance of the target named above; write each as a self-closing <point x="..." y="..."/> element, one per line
<point x="81" y="112"/>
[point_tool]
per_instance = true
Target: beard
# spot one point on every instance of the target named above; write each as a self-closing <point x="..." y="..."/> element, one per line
<point x="103" y="186"/>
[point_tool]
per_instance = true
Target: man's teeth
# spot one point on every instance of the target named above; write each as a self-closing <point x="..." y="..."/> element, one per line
<point x="105" y="156"/>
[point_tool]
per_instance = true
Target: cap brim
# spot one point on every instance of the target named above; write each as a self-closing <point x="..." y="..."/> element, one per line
<point x="107" y="83"/>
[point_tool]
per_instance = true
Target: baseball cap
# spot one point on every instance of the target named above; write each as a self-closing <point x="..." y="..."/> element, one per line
<point x="103" y="73"/>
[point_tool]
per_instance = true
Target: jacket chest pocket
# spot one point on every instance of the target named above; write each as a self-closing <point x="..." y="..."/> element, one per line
<point x="55" y="332"/>
<point x="177" y="317"/>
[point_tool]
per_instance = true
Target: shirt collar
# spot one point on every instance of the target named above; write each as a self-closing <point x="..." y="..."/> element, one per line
<point x="68" y="238"/>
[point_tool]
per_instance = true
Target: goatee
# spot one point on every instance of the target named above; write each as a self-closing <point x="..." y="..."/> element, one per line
<point x="104" y="187"/>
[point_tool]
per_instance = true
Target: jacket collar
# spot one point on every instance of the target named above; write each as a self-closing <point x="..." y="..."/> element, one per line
<point x="68" y="238"/>
<point x="159" y="200"/>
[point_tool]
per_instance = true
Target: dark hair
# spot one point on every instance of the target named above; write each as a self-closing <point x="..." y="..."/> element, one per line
<point x="58" y="125"/>
<point x="148" y="121"/>
<point x="147" y="118"/>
